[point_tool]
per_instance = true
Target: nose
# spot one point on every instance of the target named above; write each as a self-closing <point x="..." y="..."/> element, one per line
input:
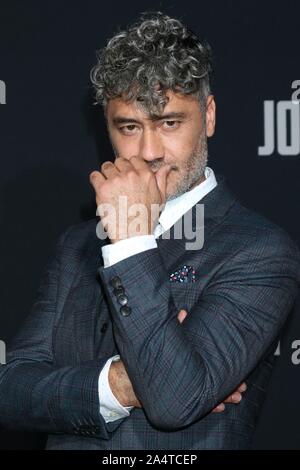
<point x="151" y="147"/>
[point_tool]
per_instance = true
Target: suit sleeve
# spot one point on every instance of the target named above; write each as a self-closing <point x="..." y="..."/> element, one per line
<point x="180" y="372"/>
<point x="36" y="394"/>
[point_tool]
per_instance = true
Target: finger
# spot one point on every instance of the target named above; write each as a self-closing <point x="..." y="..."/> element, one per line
<point x="109" y="170"/>
<point x="96" y="178"/>
<point x="242" y="387"/>
<point x="181" y="315"/>
<point x="122" y="164"/>
<point x="138" y="163"/>
<point x="161" y="178"/>
<point x="236" y="397"/>
<point x="219" y="408"/>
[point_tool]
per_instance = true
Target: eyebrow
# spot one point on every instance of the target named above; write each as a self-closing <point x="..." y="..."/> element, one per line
<point x="153" y="117"/>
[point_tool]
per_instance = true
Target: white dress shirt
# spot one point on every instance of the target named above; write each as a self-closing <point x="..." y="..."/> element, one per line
<point x="110" y="408"/>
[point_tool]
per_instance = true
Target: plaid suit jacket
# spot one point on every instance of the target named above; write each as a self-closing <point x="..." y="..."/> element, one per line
<point x="248" y="274"/>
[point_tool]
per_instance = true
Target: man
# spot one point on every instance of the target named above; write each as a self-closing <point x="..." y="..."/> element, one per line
<point x="135" y="340"/>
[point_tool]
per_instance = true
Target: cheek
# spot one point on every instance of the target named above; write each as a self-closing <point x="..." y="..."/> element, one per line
<point x="178" y="151"/>
<point x="125" y="148"/>
<point x="182" y="143"/>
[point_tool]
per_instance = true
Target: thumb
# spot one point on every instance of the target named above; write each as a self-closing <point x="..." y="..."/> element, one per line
<point x="161" y="178"/>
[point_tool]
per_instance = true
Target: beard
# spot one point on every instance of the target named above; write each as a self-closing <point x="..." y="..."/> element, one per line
<point x="192" y="172"/>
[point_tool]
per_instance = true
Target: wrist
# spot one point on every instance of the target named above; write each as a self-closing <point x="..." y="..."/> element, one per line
<point x="117" y="382"/>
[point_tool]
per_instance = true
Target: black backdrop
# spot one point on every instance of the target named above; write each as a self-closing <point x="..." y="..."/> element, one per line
<point x="51" y="138"/>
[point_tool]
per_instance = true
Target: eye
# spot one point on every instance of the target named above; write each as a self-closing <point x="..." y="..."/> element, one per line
<point x="171" y="124"/>
<point x="127" y="129"/>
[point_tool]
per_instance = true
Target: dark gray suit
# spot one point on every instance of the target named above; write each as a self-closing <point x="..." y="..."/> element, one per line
<point x="247" y="278"/>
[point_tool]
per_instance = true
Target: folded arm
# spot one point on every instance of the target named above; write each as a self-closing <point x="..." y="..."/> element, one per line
<point x="181" y="372"/>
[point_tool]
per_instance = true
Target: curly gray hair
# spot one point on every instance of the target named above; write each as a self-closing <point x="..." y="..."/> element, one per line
<point x="156" y="54"/>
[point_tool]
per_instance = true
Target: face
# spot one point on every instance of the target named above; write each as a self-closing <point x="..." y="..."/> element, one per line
<point x="177" y="136"/>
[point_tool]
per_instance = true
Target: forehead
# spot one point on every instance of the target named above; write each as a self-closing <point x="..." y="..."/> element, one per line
<point x="177" y="103"/>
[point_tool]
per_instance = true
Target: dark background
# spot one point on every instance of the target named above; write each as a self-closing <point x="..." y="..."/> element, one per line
<point x="52" y="137"/>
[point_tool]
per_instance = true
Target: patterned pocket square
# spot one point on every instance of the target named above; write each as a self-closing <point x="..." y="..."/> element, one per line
<point x="183" y="274"/>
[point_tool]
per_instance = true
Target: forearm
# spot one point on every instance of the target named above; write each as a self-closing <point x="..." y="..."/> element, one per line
<point x="36" y="396"/>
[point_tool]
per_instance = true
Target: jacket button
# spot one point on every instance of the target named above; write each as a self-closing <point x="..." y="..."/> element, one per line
<point x="119" y="290"/>
<point x="122" y="299"/>
<point x="104" y="327"/>
<point x="116" y="281"/>
<point x="125" y="310"/>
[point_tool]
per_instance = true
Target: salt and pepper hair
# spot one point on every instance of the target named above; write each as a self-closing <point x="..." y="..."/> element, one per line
<point x="155" y="54"/>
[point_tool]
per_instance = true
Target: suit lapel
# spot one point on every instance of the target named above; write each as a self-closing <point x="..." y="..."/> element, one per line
<point x="216" y="204"/>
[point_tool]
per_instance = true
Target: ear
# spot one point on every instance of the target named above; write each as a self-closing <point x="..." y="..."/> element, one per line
<point x="210" y="115"/>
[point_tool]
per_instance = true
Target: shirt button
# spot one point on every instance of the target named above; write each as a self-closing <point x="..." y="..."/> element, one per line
<point x="112" y="413"/>
<point x="125" y="310"/>
<point x="122" y="299"/>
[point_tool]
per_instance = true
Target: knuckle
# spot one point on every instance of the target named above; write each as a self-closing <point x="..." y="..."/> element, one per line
<point x="106" y="165"/>
<point x="93" y="175"/>
<point x="120" y="159"/>
<point x="131" y="173"/>
<point x="103" y="188"/>
<point x="116" y="179"/>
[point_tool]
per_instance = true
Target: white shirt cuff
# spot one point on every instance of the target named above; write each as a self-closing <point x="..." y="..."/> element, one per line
<point x="122" y="249"/>
<point x="110" y="408"/>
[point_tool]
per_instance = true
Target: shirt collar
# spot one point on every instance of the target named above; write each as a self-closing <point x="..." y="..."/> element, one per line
<point x="175" y="208"/>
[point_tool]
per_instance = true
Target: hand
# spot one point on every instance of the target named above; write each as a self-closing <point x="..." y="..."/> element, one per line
<point x="121" y="385"/>
<point x="137" y="184"/>
<point x="236" y="396"/>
